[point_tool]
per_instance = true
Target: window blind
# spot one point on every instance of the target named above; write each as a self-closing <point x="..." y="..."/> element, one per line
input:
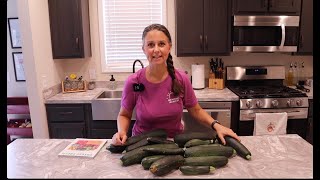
<point x="123" y="23"/>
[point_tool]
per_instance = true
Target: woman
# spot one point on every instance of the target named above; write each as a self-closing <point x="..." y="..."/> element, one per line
<point x="166" y="90"/>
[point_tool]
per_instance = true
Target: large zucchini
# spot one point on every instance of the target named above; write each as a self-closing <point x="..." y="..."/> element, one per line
<point x="196" y="170"/>
<point x="142" y="142"/>
<point x="215" y="161"/>
<point x="147" y="161"/>
<point x="241" y="150"/>
<point x="197" y="142"/>
<point x="152" y="133"/>
<point x="164" y="150"/>
<point x="166" y="164"/>
<point x="135" y="156"/>
<point x="209" y="150"/>
<point x="116" y="149"/>
<point x="159" y="140"/>
<point x="181" y="139"/>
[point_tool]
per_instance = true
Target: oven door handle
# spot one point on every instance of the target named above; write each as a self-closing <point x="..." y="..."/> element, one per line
<point x="211" y="110"/>
<point x="290" y="114"/>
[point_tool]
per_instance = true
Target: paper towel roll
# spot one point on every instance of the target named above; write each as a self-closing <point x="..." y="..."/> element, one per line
<point x="197" y="76"/>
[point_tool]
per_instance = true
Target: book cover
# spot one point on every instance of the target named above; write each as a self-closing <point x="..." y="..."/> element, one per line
<point x="82" y="147"/>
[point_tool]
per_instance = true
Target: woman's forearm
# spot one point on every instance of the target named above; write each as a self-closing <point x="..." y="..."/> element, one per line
<point x="201" y="115"/>
<point x="123" y="120"/>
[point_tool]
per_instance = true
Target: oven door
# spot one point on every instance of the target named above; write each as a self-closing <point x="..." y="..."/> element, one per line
<point x="297" y="120"/>
<point x="265" y="33"/>
<point x="192" y="125"/>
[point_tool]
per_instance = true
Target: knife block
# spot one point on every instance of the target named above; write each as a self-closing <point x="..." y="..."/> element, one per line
<point x="215" y="83"/>
<point x="73" y="86"/>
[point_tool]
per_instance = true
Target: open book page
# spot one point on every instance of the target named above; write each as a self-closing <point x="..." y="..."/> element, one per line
<point x="83" y="147"/>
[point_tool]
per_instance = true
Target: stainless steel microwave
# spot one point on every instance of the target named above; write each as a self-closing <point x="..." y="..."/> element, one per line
<point x="265" y="33"/>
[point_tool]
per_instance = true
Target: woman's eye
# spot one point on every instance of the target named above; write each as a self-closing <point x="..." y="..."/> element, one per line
<point x="162" y="44"/>
<point x="150" y="45"/>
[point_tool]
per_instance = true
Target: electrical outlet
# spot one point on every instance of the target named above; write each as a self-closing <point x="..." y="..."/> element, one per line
<point x="92" y="74"/>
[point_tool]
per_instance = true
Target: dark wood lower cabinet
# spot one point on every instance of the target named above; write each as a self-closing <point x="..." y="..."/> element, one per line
<point x="105" y="129"/>
<point x="68" y="130"/>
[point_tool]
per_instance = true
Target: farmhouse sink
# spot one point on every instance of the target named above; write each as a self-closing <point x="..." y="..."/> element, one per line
<point x="110" y="94"/>
<point x="106" y="106"/>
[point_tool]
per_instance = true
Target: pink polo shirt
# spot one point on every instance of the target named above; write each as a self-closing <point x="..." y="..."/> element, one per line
<point x="156" y="107"/>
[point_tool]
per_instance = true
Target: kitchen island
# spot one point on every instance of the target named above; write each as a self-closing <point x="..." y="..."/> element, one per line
<point x="278" y="156"/>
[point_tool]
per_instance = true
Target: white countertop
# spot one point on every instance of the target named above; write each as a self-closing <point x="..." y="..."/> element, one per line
<point x="278" y="156"/>
<point x="87" y="96"/>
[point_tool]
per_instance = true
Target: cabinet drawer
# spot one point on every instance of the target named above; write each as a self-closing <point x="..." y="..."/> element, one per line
<point x="67" y="130"/>
<point x="74" y="113"/>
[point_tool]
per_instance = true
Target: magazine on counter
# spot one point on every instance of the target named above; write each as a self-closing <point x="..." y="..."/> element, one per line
<point x="82" y="147"/>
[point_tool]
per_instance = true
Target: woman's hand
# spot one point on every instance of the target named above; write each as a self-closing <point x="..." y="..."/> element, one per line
<point x="119" y="138"/>
<point x="222" y="131"/>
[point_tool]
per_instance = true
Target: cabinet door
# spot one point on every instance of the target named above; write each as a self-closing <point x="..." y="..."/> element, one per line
<point x="189" y="27"/>
<point x="285" y="6"/>
<point x="217" y="27"/>
<point x="67" y="130"/>
<point x="69" y="26"/>
<point x="306" y="27"/>
<point x="250" y="6"/>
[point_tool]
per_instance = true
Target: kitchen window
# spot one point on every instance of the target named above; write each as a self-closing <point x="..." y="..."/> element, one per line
<point x="121" y="23"/>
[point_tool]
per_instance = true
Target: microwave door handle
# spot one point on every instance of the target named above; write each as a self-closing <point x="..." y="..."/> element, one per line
<point x="283" y="33"/>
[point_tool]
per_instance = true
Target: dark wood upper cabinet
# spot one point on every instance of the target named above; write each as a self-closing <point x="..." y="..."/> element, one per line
<point x="203" y="27"/>
<point x="261" y="7"/>
<point x="70" y="28"/>
<point x="306" y="28"/>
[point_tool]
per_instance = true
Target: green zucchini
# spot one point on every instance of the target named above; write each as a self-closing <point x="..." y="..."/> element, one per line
<point x="159" y="140"/>
<point x="142" y="142"/>
<point x="116" y="149"/>
<point x="241" y="150"/>
<point x="181" y="139"/>
<point x="196" y="170"/>
<point x="209" y="150"/>
<point x="215" y="161"/>
<point x="166" y="164"/>
<point x="197" y="142"/>
<point x="164" y="151"/>
<point x="135" y="156"/>
<point x="147" y="161"/>
<point x="152" y="133"/>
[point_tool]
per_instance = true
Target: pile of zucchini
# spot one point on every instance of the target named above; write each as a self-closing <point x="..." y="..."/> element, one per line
<point x="192" y="153"/>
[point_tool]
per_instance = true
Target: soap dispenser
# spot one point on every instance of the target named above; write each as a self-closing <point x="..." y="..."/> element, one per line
<point x="112" y="82"/>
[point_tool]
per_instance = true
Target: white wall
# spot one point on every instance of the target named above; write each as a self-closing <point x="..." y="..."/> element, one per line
<point x="14" y="88"/>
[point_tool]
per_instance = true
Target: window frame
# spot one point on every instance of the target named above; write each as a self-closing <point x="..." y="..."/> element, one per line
<point x="120" y="67"/>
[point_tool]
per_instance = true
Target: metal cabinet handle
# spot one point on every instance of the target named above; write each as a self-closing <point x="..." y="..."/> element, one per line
<point x="77" y="43"/>
<point x="206" y="41"/>
<point x="65" y="113"/>
<point x="201" y="41"/>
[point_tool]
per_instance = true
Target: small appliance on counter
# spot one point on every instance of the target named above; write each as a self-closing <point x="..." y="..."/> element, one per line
<point x="216" y="75"/>
<point x="198" y="78"/>
<point x="72" y="84"/>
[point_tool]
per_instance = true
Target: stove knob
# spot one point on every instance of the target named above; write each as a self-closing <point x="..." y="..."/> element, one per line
<point x="274" y="103"/>
<point x="289" y="104"/>
<point x="248" y="103"/>
<point x="299" y="102"/>
<point x="258" y="103"/>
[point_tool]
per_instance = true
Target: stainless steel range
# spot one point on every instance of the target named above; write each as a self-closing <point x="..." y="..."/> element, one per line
<point x="261" y="90"/>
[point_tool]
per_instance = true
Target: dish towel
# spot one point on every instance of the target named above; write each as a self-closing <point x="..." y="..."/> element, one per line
<point x="270" y="123"/>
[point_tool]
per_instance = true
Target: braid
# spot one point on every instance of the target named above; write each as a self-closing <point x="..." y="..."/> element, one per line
<point x="176" y="86"/>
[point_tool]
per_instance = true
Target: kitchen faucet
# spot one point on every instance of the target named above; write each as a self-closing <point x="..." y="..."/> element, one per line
<point x="134" y="63"/>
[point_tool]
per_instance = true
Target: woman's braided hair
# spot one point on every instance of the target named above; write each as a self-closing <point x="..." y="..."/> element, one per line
<point x="176" y="86"/>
